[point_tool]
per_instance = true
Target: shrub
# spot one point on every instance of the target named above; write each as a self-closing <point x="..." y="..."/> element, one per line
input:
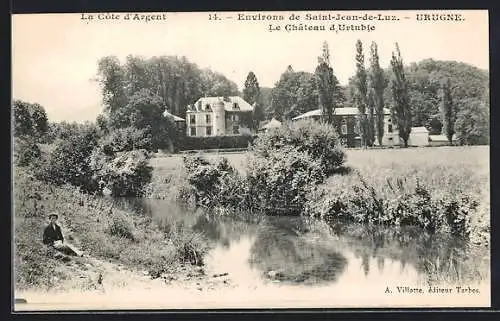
<point x="319" y="140"/>
<point x="120" y="225"/>
<point x="26" y="151"/>
<point x="215" y="142"/>
<point x="363" y="203"/>
<point x="280" y="181"/>
<point x="126" y="139"/>
<point x="126" y="174"/>
<point x="213" y="184"/>
<point x="191" y="246"/>
<point x="69" y="161"/>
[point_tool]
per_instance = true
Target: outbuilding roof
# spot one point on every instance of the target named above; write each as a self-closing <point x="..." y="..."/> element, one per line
<point x="273" y="123"/>
<point x="343" y="111"/>
<point x="176" y="118"/>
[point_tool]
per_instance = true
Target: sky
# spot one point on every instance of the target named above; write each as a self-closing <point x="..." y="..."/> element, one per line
<point x="54" y="56"/>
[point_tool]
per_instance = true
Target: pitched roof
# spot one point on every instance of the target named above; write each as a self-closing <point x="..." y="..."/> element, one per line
<point x="343" y="111"/>
<point x="441" y="138"/>
<point x="419" y="130"/>
<point x="273" y="123"/>
<point x="228" y="105"/>
<point x="176" y="118"/>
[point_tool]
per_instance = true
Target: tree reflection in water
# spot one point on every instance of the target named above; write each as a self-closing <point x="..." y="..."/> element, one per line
<point x="283" y="252"/>
<point x="440" y="258"/>
<point x="289" y="246"/>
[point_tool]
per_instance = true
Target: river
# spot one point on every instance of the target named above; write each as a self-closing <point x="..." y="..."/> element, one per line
<point x="292" y="262"/>
<point x="299" y="259"/>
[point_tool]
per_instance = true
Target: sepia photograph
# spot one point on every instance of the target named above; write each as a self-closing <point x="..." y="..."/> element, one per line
<point x="250" y="160"/>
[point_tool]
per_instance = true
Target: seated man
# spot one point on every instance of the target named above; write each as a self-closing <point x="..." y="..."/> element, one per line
<point x="52" y="236"/>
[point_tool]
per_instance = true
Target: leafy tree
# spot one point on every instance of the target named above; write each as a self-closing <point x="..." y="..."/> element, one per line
<point x="472" y="125"/>
<point x="295" y="93"/>
<point x="361" y="96"/>
<point x="22" y="119"/>
<point x="377" y="84"/>
<point x="265" y="93"/>
<point x="327" y="85"/>
<point x="400" y="100"/>
<point x="251" y="94"/>
<point x="251" y="90"/>
<point x="111" y="78"/>
<point x="69" y="161"/>
<point x="30" y="120"/>
<point x="448" y="112"/>
<point x="145" y="112"/>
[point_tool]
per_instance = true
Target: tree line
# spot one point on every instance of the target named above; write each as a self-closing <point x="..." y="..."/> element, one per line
<point x="446" y="97"/>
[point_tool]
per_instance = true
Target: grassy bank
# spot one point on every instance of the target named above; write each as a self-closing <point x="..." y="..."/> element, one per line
<point x="94" y="226"/>
<point x="454" y="178"/>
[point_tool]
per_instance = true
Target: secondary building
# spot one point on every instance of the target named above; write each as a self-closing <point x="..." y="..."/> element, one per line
<point x="219" y="116"/>
<point x="345" y="121"/>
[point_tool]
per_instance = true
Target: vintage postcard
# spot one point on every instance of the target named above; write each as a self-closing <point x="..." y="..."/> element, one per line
<point x="209" y="160"/>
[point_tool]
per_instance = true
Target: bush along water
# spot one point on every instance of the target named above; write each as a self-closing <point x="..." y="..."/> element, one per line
<point x="212" y="184"/>
<point x="318" y="139"/>
<point x="394" y="204"/>
<point x="283" y="167"/>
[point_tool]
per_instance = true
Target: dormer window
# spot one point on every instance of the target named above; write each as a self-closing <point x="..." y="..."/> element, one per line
<point x="207" y="107"/>
<point x="235" y="106"/>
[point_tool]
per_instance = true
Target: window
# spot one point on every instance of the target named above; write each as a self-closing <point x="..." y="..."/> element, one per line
<point x="207" y="118"/>
<point x="389" y="128"/>
<point x="193" y="131"/>
<point x="236" y="129"/>
<point x="343" y="127"/>
<point x="209" y="130"/>
<point x="235" y="117"/>
<point x="207" y="107"/>
<point x="235" y="106"/>
<point x="192" y="119"/>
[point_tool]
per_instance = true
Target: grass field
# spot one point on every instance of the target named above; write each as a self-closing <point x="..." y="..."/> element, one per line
<point x="442" y="168"/>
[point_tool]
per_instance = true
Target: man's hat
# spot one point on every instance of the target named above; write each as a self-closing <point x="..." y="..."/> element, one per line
<point x="53" y="214"/>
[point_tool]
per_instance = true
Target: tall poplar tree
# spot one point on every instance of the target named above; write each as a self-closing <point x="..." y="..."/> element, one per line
<point x="361" y="95"/>
<point x="377" y="84"/>
<point x="400" y="99"/>
<point x="327" y="85"/>
<point x="448" y="112"/>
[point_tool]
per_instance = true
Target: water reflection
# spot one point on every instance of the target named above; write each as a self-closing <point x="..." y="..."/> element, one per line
<point x="296" y="251"/>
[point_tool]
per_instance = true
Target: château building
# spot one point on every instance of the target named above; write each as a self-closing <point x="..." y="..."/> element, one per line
<point x="219" y="116"/>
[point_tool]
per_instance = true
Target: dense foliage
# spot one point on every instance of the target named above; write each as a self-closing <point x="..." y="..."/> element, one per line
<point x="318" y="139"/>
<point x="176" y="81"/>
<point x="216" y="142"/>
<point x="295" y="93"/>
<point x="279" y="182"/>
<point x="29" y="120"/>
<point x="398" y="205"/>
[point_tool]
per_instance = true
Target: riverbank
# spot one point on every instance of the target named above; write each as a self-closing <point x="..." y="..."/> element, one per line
<point x="365" y="263"/>
<point x="110" y="238"/>
<point x="448" y="173"/>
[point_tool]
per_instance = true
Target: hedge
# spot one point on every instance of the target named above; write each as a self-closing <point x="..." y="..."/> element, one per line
<point x="215" y="142"/>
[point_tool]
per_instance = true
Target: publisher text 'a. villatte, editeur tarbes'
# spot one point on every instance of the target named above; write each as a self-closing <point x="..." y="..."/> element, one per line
<point x="433" y="290"/>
